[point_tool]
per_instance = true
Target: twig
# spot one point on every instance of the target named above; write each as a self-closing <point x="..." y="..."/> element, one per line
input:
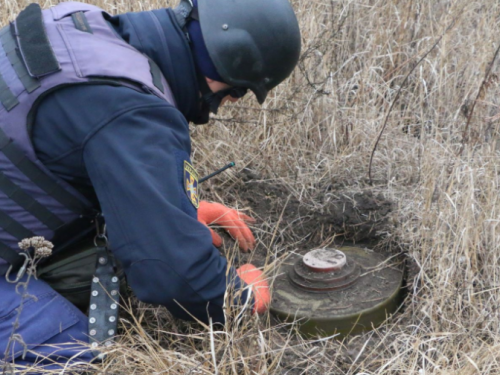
<point x="212" y="347"/>
<point x="42" y="249"/>
<point x="278" y="223"/>
<point x="398" y="94"/>
<point x="471" y="112"/>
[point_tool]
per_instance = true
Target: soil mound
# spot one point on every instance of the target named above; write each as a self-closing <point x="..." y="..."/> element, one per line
<point x="329" y="217"/>
<point x="355" y="216"/>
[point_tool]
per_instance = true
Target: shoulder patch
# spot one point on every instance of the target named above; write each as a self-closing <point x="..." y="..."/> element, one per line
<point x="191" y="183"/>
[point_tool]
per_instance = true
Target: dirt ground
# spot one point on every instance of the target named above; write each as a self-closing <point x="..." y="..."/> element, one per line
<point x="284" y="223"/>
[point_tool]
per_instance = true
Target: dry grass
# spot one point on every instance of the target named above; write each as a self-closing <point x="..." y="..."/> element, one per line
<point x="319" y="128"/>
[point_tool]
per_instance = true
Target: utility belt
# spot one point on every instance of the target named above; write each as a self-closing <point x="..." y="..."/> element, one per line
<point x="70" y="272"/>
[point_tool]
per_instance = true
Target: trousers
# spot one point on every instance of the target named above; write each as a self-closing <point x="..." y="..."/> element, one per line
<point x="51" y="332"/>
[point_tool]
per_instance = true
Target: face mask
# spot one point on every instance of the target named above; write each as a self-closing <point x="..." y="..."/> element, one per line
<point x="214" y="99"/>
<point x="210" y="101"/>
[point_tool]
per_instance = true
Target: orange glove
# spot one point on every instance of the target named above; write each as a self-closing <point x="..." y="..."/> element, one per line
<point x="231" y="220"/>
<point x="255" y="278"/>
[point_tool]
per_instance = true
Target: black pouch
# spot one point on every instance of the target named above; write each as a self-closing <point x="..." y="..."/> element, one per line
<point x="69" y="272"/>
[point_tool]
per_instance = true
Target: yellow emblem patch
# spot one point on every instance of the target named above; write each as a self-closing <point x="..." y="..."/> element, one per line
<point x="191" y="183"/>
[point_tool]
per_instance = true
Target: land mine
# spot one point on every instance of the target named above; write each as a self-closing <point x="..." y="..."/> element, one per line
<point x="387" y="135"/>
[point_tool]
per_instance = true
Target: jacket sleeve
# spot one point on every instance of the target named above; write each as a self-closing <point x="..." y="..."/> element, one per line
<point x="135" y="162"/>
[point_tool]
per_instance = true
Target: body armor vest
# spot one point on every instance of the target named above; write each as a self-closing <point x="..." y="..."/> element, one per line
<point x="69" y="44"/>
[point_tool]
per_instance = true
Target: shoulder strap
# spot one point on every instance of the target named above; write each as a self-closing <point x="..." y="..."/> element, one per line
<point x="12" y="51"/>
<point x="7" y="97"/>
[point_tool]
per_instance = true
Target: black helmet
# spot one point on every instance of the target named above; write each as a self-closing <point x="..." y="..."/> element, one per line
<point x="253" y="44"/>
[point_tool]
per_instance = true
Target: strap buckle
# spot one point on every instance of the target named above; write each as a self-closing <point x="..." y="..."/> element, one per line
<point x="21" y="271"/>
<point x="183" y="12"/>
<point x="100" y="239"/>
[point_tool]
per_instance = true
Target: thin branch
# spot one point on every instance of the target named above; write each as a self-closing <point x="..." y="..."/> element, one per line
<point x="398" y="94"/>
<point x="471" y="112"/>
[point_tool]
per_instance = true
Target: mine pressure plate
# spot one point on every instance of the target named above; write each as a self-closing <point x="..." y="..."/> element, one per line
<point x="346" y="291"/>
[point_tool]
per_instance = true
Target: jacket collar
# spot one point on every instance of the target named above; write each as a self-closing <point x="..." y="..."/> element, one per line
<point x="157" y="34"/>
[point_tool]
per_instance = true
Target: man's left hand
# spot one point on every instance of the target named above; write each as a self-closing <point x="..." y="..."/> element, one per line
<point x="234" y="222"/>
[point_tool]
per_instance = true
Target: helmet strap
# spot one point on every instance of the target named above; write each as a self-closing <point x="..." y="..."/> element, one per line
<point x="214" y="99"/>
<point x="209" y="101"/>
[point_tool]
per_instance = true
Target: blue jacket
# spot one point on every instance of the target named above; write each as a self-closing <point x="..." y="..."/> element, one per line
<point x="125" y="151"/>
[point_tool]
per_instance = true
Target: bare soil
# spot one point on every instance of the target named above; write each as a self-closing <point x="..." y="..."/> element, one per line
<point x="284" y="223"/>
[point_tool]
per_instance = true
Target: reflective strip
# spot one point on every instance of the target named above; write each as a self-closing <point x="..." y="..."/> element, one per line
<point x="156" y="74"/>
<point x="14" y="228"/>
<point x="7" y="98"/>
<point x="17" y="156"/>
<point x="30" y="204"/>
<point x="10" y="47"/>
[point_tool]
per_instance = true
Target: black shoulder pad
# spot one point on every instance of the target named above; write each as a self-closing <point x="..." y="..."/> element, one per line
<point x="33" y="42"/>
